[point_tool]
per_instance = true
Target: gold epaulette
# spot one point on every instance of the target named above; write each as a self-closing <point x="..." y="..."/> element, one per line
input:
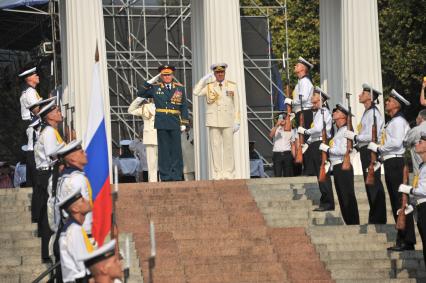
<point x="178" y="84"/>
<point x="211" y="83"/>
<point x="231" y="82"/>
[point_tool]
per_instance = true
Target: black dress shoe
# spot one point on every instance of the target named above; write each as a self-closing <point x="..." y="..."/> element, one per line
<point x="400" y="248"/>
<point x="323" y="209"/>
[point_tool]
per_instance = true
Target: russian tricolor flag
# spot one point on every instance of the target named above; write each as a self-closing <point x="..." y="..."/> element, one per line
<point x="97" y="168"/>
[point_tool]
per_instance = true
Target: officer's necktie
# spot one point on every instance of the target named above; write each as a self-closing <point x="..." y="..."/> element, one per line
<point x="168" y="87"/>
<point x="220" y="85"/>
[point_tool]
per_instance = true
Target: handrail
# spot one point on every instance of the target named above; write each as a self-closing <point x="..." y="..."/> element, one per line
<point x="48" y="271"/>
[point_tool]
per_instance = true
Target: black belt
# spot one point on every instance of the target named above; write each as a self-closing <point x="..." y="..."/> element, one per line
<point x="282" y="152"/>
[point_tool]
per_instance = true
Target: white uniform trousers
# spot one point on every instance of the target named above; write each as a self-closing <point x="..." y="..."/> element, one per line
<point x="222" y="152"/>
<point x="152" y="161"/>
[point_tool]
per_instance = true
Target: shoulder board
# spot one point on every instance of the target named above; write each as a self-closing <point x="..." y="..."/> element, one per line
<point x="178" y="84"/>
<point x="231" y="82"/>
<point x="156" y="83"/>
<point x="211" y="83"/>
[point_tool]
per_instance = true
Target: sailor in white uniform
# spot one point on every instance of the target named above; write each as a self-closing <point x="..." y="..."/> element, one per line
<point x="73" y="240"/>
<point x="343" y="179"/>
<point x="375" y="193"/>
<point x="391" y="150"/>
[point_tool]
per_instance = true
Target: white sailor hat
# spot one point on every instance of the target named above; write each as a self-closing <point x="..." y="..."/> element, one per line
<point x="100" y="254"/>
<point x="68" y="148"/>
<point x="28" y="71"/>
<point x="367" y="87"/>
<point x="47" y="108"/>
<point x="402" y="101"/>
<point x="41" y="102"/>
<point x="24" y="147"/>
<point x="69" y="198"/>
<point x="125" y="142"/>
<point x="219" y="67"/>
<point x="324" y="95"/>
<point x="34" y="122"/>
<point x="305" y="62"/>
<point x="342" y="108"/>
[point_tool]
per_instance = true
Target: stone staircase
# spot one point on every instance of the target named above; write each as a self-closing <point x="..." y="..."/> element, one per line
<point x="20" y="248"/>
<point x="351" y="253"/>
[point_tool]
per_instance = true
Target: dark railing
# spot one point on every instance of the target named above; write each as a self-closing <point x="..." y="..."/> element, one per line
<point x="50" y="270"/>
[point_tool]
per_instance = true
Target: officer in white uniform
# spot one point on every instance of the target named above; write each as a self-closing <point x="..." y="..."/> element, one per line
<point x="147" y="112"/>
<point x="411" y="139"/>
<point x="47" y="144"/>
<point x="33" y="131"/>
<point x="392" y="152"/>
<point x="73" y="240"/>
<point x="104" y="264"/>
<point x="418" y="193"/>
<point x="127" y="163"/>
<point x="187" y="142"/>
<point x="29" y="95"/>
<point x="302" y="94"/>
<point x="375" y="193"/>
<point x="322" y="117"/>
<point x="343" y="179"/>
<point x="222" y="119"/>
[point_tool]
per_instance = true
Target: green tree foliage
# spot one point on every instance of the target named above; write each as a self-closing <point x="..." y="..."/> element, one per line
<point x="403" y="48"/>
<point x="303" y="30"/>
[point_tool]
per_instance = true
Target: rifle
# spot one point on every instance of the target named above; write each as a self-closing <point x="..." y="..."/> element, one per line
<point x="400" y="222"/>
<point x="114" y="196"/>
<point x="299" y="153"/>
<point x="369" y="180"/>
<point x="322" y="174"/>
<point x="346" y="166"/>
<point x="287" y="127"/>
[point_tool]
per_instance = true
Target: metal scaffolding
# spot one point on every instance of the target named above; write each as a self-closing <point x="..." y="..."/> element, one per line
<point x="143" y="34"/>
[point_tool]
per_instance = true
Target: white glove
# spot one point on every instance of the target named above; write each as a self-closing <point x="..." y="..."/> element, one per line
<point x="327" y="166"/>
<point x="154" y="79"/>
<point x="139" y="100"/>
<point x="406" y="189"/>
<point x="301" y="130"/>
<point x="304" y="147"/>
<point x="409" y="209"/>
<point x="349" y="135"/>
<point x="377" y="165"/>
<point x="373" y="146"/>
<point x="288" y="101"/>
<point x="182" y="128"/>
<point x="207" y="77"/>
<point x="324" y="147"/>
<point x="236" y="127"/>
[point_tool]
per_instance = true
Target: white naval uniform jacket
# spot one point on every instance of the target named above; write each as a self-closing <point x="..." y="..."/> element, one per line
<point x="315" y="131"/>
<point x="305" y="88"/>
<point x="48" y="142"/>
<point x="338" y="146"/>
<point x="392" y="140"/>
<point x="364" y="127"/>
<point x="223" y="108"/>
<point x="147" y="112"/>
<point x="419" y="191"/>
<point x="73" y="244"/>
<point x="28" y="97"/>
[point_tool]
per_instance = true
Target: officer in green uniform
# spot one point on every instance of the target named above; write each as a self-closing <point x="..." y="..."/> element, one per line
<point x="171" y="118"/>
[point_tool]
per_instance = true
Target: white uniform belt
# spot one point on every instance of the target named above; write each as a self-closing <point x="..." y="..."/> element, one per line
<point x="362" y="144"/>
<point x="389" y="156"/>
<point x="312" y="140"/>
<point x="45" y="168"/>
<point x="336" y="162"/>
<point x="420" y="201"/>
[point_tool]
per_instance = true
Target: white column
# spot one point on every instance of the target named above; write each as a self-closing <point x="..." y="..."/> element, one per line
<point x="216" y="37"/>
<point x="349" y="52"/>
<point x="82" y="29"/>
